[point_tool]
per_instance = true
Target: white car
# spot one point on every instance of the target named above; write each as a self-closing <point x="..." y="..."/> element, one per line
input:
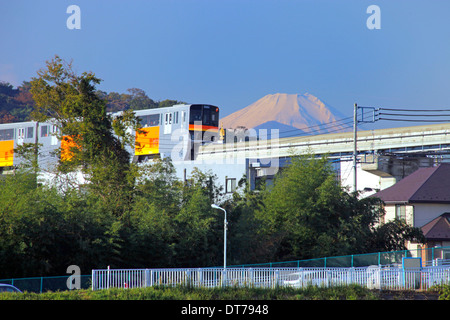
<point x="307" y="278"/>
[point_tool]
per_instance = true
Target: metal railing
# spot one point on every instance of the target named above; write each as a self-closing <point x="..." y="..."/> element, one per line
<point x="373" y="277"/>
<point x="430" y="256"/>
<point x="44" y="284"/>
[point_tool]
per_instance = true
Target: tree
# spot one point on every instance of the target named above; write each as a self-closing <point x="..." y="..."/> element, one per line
<point x="159" y="185"/>
<point x="43" y="230"/>
<point x="307" y="214"/>
<point x="150" y="229"/>
<point x="393" y="235"/>
<point x="95" y="142"/>
<point x="15" y="104"/>
<point x="198" y="237"/>
<point x="140" y="100"/>
<point x="172" y="222"/>
<point x="246" y="243"/>
<point x="198" y="227"/>
<point x="7" y="117"/>
<point x="169" y="103"/>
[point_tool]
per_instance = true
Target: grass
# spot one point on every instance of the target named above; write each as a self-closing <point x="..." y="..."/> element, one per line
<point x="351" y="292"/>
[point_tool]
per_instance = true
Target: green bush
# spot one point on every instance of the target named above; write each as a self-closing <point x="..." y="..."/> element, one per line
<point x="444" y="292"/>
<point x="188" y="293"/>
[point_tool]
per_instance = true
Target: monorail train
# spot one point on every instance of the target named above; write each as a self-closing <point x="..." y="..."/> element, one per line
<point x="175" y="131"/>
<point x="13" y="135"/>
<point x="166" y="132"/>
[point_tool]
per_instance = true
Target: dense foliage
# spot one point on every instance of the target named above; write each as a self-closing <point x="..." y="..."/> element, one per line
<point x="308" y="214"/>
<point x="186" y="293"/>
<point x="133" y="216"/>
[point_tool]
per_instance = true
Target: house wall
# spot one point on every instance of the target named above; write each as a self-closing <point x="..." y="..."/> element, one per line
<point x="418" y="214"/>
<point x="390" y="213"/>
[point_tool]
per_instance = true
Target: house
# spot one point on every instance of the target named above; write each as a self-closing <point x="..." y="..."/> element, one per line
<point x="422" y="199"/>
<point x="437" y="233"/>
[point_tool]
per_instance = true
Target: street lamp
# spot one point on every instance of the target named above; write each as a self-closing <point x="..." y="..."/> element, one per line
<point x="214" y="206"/>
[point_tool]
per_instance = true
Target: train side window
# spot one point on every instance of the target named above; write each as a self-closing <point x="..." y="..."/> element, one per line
<point x="154" y="120"/>
<point x="30" y="132"/>
<point x="20" y="133"/>
<point x="150" y="120"/>
<point x="142" y="121"/>
<point x="168" y="118"/>
<point x="6" y="134"/>
<point x="44" y="131"/>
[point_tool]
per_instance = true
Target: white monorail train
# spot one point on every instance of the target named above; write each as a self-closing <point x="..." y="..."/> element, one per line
<point x="175" y="131"/>
<point x="166" y="132"/>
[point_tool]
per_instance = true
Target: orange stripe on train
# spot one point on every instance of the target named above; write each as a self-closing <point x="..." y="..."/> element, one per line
<point x="193" y="127"/>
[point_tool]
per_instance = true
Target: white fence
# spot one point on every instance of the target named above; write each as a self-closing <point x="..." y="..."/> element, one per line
<point x="373" y="277"/>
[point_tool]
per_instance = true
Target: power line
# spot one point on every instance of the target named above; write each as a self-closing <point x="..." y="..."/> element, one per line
<point x="416" y="110"/>
<point x="404" y="114"/>
<point x="323" y="127"/>
<point x="413" y="115"/>
<point x="413" y="120"/>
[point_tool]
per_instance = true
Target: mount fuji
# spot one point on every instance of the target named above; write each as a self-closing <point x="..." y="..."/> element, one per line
<point x="291" y="114"/>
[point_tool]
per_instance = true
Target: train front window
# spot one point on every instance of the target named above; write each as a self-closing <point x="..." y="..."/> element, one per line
<point x="208" y="115"/>
<point x="196" y="114"/>
<point x="215" y="117"/>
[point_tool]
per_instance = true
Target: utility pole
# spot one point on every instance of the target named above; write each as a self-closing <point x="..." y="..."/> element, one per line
<point x="355" y="150"/>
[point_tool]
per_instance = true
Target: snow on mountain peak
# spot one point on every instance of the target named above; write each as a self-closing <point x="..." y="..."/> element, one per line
<point x="301" y="111"/>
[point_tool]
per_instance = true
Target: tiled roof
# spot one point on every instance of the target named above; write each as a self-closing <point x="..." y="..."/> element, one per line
<point x="426" y="185"/>
<point x="438" y="229"/>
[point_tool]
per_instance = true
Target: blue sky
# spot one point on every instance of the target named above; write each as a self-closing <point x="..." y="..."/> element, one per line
<point x="231" y="53"/>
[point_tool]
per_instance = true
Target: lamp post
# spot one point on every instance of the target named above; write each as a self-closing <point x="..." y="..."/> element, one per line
<point x="214" y="206"/>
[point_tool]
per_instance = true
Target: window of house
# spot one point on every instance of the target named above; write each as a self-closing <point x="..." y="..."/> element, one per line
<point x="400" y="212"/>
<point x="446" y="254"/>
<point x="230" y="185"/>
